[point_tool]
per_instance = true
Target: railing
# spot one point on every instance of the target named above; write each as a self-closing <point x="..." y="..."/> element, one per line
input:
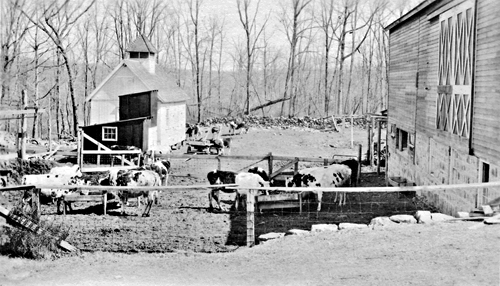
<point x="251" y="224"/>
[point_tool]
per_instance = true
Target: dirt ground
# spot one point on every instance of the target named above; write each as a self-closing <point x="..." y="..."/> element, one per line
<point x="199" y="247"/>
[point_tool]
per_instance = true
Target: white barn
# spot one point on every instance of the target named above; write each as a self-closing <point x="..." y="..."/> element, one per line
<point x="137" y="91"/>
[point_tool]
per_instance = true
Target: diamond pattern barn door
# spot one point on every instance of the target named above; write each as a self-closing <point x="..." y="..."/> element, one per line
<point x="455" y="69"/>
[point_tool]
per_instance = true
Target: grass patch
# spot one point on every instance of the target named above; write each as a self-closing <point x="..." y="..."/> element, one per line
<point x="20" y="242"/>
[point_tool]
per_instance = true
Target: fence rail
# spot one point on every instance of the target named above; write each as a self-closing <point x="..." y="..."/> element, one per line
<point x="251" y="223"/>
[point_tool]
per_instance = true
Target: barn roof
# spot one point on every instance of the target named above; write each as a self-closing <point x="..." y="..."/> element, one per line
<point x="118" y="122"/>
<point x="141" y="44"/>
<point x="168" y="91"/>
<point x="411" y="13"/>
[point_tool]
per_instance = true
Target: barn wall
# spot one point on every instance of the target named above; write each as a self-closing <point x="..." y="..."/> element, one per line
<point x="486" y="127"/>
<point x="104" y="104"/>
<point x="440" y="157"/>
<point x="171" y="123"/>
<point x="126" y="134"/>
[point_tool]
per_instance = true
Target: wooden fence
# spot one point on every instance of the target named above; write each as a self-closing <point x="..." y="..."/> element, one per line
<point x="251" y="202"/>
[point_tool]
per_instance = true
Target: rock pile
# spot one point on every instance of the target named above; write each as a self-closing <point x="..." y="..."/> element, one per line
<point x="284" y="122"/>
<point x="421" y="217"/>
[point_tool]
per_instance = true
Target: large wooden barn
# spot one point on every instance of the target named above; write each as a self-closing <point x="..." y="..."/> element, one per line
<point x="443" y="95"/>
<point x="138" y="104"/>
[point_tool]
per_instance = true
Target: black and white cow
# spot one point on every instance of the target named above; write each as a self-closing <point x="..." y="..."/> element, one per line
<point x="259" y="171"/>
<point x="48" y="196"/>
<point x="218" y="177"/>
<point x="335" y="175"/>
<point x="240" y="126"/>
<point x="138" y="178"/>
<point x="353" y="164"/>
<point x="248" y="180"/>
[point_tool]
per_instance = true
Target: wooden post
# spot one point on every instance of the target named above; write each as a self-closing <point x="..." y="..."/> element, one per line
<point x="104" y="201"/>
<point x="379" y="131"/>
<point x="79" y="148"/>
<point x="50" y="123"/>
<point x="35" y="203"/>
<point x="251" y="218"/>
<point x="352" y="132"/>
<point x="270" y="163"/>
<point x="372" y="132"/>
<point x="360" y="154"/>
<point x="296" y="166"/>
<point x="325" y="162"/>
<point x="369" y="149"/>
<point x="21" y="140"/>
<point x="219" y="164"/>
<point x="82" y="138"/>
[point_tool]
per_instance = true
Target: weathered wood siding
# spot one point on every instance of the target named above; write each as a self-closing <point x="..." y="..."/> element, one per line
<point x="127" y="134"/>
<point x="442" y="157"/>
<point x="485" y="122"/>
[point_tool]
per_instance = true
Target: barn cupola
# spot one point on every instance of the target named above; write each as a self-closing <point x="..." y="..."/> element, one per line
<point x="143" y="51"/>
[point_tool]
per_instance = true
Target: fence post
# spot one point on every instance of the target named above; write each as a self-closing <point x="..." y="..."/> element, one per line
<point x="78" y="148"/>
<point x="370" y="143"/>
<point x="219" y="165"/>
<point x="296" y="166"/>
<point x="35" y="204"/>
<point x="325" y="162"/>
<point x="251" y="218"/>
<point x="360" y="154"/>
<point x="379" y="131"/>
<point x="352" y="132"/>
<point x="270" y="162"/>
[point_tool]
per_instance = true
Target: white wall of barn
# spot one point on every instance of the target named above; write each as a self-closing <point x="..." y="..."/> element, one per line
<point x="104" y="104"/>
<point x="171" y="125"/>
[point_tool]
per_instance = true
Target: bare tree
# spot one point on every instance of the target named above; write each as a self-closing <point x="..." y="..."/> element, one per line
<point x="294" y="30"/>
<point x="328" y="26"/>
<point x="252" y="34"/>
<point x="348" y="10"/>
<point x="57" y="20"/>
<point x="12" y="33"/>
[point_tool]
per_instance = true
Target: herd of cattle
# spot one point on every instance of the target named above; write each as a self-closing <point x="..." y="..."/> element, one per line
<point x="156" y="174"/>
<point x="342" y="174"/>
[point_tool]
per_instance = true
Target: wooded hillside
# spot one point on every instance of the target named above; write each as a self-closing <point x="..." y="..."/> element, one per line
<point x="290" y="58"/>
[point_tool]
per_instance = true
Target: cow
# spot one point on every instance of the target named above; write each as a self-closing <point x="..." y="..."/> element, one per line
<point x="161" y="167"/>
<point x="259" y="171"/>
<point x="335" y="175"/>
<point x="240" y="126"/>
<point x="73" y="170"/>
<point x="218" y="177"/>
<point x="48" y="196"/>
<point x="137" y="178"/>
<point x="248" y="180"/>
<point x="353" y="164"/>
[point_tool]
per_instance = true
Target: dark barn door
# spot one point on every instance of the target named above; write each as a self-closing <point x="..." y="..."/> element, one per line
<point x="131" y="134"/>
<point x="135" y="105"/>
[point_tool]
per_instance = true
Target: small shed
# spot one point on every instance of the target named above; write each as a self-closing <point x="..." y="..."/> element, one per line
<point x="136" y="89"/>
<point x="121" y="132"/>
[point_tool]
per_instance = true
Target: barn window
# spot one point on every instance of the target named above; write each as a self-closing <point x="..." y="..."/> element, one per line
<point x="109" y="134"/>
<point x="401" y="139"/>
